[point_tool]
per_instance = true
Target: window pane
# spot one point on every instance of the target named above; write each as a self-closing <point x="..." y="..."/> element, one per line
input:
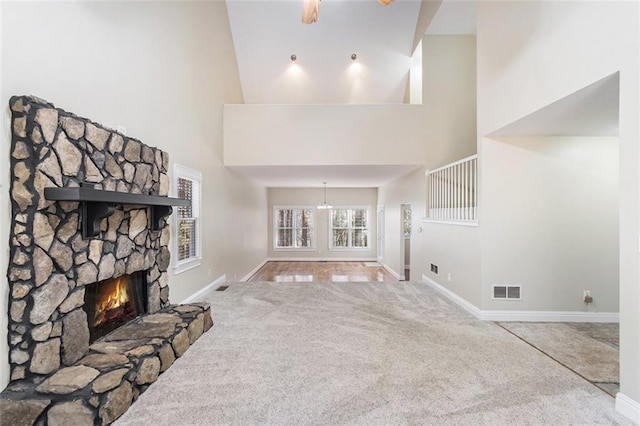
<point x="340" y="238"/>
<point x="407" y="222"/>
<point x="307" y="218"/>
<point x="185" y="191"/>
<point x="304" y="237"/>
<point x="339" y="218"/>
<point x="359" y="238"/>
<point x="359" y="218"/>
<point x="284" y="238"/>
<point x="285" y="218"/>
<point x="304" y="218"/>
<point x="186" y="239"/>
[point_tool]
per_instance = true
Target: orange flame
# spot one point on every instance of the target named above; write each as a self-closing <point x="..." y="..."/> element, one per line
<point x="115" y="295"/>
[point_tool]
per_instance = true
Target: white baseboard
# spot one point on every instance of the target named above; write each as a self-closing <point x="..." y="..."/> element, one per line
<point x="467" y="306"/>
<point x="322" y="259"/>
<point x="522" y="316"/>
<point x="253" y="271"/>
<point x="390" y="270"/>
<point x="197" y="296"/>
<point x="628" y="407"/>
<point x="551" y="316"/>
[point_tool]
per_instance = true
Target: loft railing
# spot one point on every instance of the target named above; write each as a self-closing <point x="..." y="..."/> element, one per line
<point x="453" y="192"/>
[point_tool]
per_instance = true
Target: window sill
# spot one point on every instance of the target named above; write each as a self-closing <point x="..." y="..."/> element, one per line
<point x="349" y="248"/>
<point x="451" y="222"/>
<point x="294" y="249"/>
<point x="186" y="265"/>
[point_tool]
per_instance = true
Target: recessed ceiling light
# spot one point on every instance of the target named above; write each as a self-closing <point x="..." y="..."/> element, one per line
<point x="293" y="58"/>
<point x="354" y="56"/>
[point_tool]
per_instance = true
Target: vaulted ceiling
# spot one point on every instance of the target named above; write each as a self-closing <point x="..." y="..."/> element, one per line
<point x="267" y="32"/>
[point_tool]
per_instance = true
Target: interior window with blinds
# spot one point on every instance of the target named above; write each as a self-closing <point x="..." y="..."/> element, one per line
<point x="188" y="228"/>
<point x="293" y="227"/>
<point x="349" y="228"/>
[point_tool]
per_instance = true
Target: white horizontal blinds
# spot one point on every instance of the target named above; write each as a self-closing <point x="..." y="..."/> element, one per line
<point x="188" y="218"/>
<point x="453" y="191"/>
<point x="294" y="227"/>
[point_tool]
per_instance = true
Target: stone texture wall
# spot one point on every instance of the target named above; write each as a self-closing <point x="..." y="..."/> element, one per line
<point x="50" y="262"/>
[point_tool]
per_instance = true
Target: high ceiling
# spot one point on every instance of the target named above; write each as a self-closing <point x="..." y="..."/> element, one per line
<point x="267" y="32"/>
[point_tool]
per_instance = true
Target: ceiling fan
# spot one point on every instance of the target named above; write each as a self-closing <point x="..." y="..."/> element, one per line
<point x="311" y="10"/>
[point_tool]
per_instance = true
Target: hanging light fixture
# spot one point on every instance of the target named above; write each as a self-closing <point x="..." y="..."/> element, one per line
<point x="324" y="205"/>
<point x="310" y="11"/>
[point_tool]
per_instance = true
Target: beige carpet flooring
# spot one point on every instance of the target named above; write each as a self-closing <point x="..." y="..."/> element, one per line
<point x="362" y="353"/>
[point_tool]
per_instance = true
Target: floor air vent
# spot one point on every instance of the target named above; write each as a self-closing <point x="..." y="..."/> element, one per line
<point x="504" y="292"/>
<point x="222" y="288"/>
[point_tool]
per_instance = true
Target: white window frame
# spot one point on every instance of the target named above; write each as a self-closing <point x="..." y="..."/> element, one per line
<point x="275" y="228"/>
<point x="179" y="266"/>
<point x="349" y="248"/>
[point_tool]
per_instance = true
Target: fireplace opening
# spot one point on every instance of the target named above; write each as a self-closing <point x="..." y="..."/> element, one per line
<point x="111" y="303"/>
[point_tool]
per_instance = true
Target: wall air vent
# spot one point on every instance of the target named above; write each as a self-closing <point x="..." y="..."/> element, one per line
<point x="434" y="269"/>
<point x="506" y="292"/>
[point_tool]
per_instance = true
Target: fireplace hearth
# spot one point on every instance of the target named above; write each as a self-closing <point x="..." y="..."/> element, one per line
<point x="112" y="303"/>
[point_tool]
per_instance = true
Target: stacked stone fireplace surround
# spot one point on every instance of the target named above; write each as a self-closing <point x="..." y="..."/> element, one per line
<point x="56" y="375"/>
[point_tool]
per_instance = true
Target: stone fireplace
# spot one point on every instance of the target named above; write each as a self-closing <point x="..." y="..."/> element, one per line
<point x="72" y="357"/>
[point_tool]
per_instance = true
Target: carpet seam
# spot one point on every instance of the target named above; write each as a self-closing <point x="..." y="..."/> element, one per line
<point x="554" y="359"/>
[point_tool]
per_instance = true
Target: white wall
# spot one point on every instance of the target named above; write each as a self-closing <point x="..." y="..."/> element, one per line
<point x="440" y="131"/>
<point x="449" y="97"/>
<point x="533" y="53"/>
<point x="415" y="76"/>
<point x="336" y="197"/>
<point x="256" y="135"/>
<point x="5" y="210"/>
<point x="409" y="189"/>
<point x="550" y="222"/>
<point x="456" y="251"/>
<point x="162" y="70"/>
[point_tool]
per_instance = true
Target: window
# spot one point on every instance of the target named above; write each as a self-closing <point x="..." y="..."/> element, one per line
<point x="188" y="241"/>
<point x="406" y="220"/>
<point x="349" y="228"/>
<point x="293" y="228"/>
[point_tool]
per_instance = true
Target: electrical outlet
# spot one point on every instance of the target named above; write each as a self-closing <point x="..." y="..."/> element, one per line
<point x="208" y="272"/>
<point x="585" y="294"/>
<point x="449" y="276"/>
<point x="587" y="297"/>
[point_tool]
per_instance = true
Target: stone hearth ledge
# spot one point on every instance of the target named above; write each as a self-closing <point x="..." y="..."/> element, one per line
<point x="116" y="369"/>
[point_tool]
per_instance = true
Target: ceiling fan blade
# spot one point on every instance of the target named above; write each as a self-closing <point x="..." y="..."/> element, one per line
<point x="385" y="2"/>
<point x="310" y="11"/>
